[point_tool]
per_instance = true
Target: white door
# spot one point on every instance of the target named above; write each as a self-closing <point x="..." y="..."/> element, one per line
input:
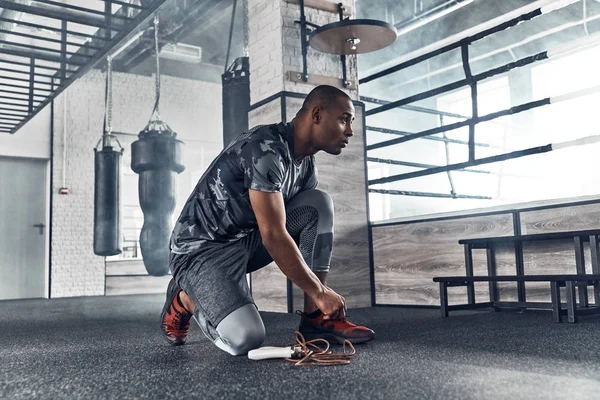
<point x="23" y="228"/>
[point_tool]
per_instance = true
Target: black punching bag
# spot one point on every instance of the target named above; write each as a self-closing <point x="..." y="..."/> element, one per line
<point x="236" y="99"/>
<point x="156" y="157"/>
<point x="107" y="221"/>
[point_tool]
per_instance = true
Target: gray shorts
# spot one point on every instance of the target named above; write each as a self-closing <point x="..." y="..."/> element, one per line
<point x="215" y="274"/>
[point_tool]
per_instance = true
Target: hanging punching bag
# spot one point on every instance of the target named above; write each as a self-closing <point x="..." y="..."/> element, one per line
<point x="156" y="157"/>
<point x="236" y="99"/>
<point x="108" y="240"/>
<point x="107" y="221"/>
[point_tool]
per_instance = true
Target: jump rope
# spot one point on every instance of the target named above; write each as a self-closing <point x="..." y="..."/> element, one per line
<point x="306" y="352"/>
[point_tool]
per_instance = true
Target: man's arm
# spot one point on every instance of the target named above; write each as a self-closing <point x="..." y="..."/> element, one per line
<point x="269" y="210"/>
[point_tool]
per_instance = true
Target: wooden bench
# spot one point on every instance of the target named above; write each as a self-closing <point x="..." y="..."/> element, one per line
<point x="490" y="244"/>
<point x="570" y="282"/>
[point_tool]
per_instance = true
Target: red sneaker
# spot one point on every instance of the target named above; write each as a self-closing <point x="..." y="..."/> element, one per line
<point x="312" y="326"/>
<point x="175" y="319"/>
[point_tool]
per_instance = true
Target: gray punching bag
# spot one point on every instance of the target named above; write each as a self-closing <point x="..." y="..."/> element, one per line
<point x="236" y="99"/>
<point x="156" y="157"/>
<point x="107" y="221"/>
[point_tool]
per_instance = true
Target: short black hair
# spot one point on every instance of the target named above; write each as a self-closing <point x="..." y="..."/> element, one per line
<point x="324" y="96"/>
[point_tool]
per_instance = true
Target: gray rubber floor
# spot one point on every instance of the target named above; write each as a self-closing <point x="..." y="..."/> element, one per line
<point x="111" y="348"/>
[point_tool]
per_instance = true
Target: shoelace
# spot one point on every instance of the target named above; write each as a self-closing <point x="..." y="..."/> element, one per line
<point x="320" y="356"/>
<point x="177" y="321"/>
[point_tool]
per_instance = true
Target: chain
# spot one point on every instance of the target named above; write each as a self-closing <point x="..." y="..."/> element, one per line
<point x="109" y="96"/>
<point x="157" y="66"/>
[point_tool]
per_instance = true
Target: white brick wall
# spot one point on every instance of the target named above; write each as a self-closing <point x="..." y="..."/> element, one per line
<point x="265" y="49"/>
<point x="192" y="109"/>
<point x="274" y="47"/>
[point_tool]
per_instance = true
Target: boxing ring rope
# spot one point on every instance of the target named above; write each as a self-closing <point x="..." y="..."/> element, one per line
<point x="487" y="160"/>
<point x="508" y="48"/>
<point x="544" y="55"/>
<point x="464" y="40"/>
<point x="494" y="25"/>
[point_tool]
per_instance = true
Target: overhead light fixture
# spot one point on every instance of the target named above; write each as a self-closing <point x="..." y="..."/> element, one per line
<point x="182" y="52"/>
<point x="402" y="30"/>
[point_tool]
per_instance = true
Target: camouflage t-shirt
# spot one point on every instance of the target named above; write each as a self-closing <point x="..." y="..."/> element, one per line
<point x="219" y="208"/>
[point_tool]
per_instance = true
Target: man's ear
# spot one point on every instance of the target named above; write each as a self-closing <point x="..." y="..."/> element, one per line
<point x="316" y="114"/>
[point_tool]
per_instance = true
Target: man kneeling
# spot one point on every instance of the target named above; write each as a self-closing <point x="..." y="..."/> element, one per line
<point x="257" y="202"/>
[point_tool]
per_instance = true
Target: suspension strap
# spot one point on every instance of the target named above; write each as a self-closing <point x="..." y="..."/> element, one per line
<point x="156" y="112"/>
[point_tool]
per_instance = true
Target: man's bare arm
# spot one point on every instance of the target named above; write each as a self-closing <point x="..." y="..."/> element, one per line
<point x="269" y="210"/>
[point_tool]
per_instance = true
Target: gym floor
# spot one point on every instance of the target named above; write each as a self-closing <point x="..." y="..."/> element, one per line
<point x="111" y="347"/>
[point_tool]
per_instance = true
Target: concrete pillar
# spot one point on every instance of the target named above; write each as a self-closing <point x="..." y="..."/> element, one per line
<point x="275" y="95"/>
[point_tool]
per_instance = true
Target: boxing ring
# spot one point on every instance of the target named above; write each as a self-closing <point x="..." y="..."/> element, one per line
<point x="463" y="41"/>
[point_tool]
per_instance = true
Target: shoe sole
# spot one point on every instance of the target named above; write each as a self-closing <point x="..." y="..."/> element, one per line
<point x="334" y="338"/>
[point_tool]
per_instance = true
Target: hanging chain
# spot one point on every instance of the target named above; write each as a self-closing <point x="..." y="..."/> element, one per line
<point x="109" y="96"/>
<point x="157" y="67"/>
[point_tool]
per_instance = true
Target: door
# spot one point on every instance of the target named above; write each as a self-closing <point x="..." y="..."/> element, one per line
<point x="23" y="228"/>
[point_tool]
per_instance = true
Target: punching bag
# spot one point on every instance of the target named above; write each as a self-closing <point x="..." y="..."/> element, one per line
<point x="236" y="99"/>
<point x="156" y="157"/>
<point x="107" y="221"/>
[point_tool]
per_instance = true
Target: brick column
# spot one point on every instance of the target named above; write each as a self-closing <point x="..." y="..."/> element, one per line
<point x="275" y="59"/>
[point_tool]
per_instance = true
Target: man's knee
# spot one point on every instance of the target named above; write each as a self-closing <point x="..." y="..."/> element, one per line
<point x="241" y="331"/>
<point x="321" y="202"/>
<point x="244" y="340"/>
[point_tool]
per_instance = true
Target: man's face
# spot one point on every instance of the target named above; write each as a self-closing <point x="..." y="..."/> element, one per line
<point x="334" y="126"/>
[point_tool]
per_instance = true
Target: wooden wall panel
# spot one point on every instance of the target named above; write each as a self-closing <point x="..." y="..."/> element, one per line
<point x="403" y="269"/>
<point x="559" y="219"/>
<point x="408" y="256"/>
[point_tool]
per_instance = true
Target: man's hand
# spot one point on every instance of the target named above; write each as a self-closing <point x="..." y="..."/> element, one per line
<point x="331" y="304"/>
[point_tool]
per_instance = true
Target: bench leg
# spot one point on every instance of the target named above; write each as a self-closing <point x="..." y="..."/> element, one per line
<point x="555" y="291"/>
<point x="595" y="266"/>
<point x="571" y="302"/>
<point x="444" y="299"/>
<point x="491" y="264"/>
<point x="580" y="265"/>
<point x="469" y="270"/>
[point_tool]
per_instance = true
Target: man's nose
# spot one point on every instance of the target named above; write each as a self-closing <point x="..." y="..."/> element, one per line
<point x="349" y="131"/>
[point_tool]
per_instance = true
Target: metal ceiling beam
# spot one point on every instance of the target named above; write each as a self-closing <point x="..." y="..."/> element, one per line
<point x="16" y="99"/>
<point x="23" y="87"/>
<point x="50" y="28"/>
<point x="40" y="48"/>
<point x="10" y="78"/>
<point x="47" y="39"/>
<point x="21" y="93"/>
<point x="62" y="16"/>
<point x="20" y="71"/>
<point x="10" y="118"/>
<point x="78" y="8"/>
<point x="10" y="111"/>
<point x="27" y="65"/>
<point x="35" y="54"/>
<point x="125" y="32"/>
